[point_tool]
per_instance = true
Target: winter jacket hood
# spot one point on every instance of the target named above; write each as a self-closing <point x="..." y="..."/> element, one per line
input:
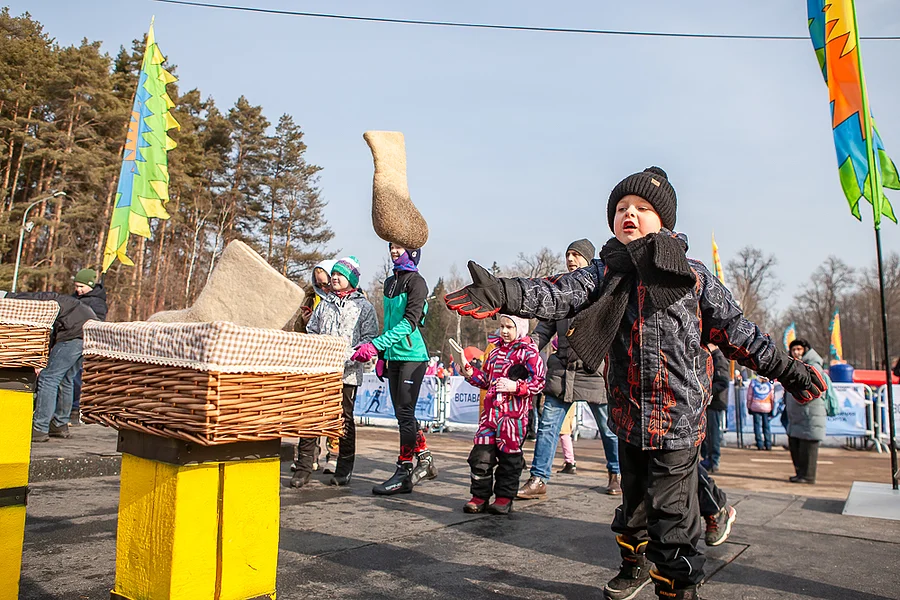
<point x="813" y="359"/>
<point x="520" y="323"/>
<point x="96" y="299"/>
<point x="325" y="265"/>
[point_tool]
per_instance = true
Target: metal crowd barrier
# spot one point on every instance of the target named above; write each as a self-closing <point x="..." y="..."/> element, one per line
<point x="881" y="425"/>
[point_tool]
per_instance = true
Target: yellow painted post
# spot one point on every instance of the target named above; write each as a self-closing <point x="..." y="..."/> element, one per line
<point x="16" y="406"/>
<point x="195" y="521"/>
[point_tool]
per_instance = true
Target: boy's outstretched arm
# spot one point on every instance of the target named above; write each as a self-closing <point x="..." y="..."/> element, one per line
<point x="743" y="341"/>
<point x="546" y="299"/>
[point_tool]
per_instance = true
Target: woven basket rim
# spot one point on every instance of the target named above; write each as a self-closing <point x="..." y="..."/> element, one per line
<point x="219" y="346"/>
<point x="39" y="314"/>
<point x="207" y="367"/>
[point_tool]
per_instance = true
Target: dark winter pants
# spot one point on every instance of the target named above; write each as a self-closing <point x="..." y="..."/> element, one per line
<point x="404" y="380"/>
<point x="712" y="445"/>
<point x="805" y="455"/>
<point x="307" y="447"/>
<point x="505" y="482"/>
<point x="660" y="505"/>
<point x="712" y="499"/>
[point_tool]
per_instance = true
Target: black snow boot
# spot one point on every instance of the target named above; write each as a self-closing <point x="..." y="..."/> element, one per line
<point x="300" y="479"/>
<point x="399" y="483"/>
<point x="634" y="573"/>
<point x="343" y="471"/>
<point x="665" y="588"/>
<point x="425" y="468"/>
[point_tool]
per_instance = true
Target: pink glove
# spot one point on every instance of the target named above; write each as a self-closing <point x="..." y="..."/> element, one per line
<point x="379" y="369"/>
<point x="365" y="353"/>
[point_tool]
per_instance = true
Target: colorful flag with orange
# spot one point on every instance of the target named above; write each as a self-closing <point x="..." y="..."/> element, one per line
<point x="864" y="166"/>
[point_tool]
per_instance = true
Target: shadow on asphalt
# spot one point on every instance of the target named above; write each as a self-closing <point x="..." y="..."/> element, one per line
<point x="825" y="505"/>
<point x="737" y="574"/>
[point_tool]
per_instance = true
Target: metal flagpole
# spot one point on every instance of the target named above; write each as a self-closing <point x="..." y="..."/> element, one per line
<point x="876" y="198"/>
<point x="895" y="474"/>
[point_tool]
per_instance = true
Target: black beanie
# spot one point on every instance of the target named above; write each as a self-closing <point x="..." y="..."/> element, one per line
<point x="651" y="184"/>
<point x="584" y="247"/>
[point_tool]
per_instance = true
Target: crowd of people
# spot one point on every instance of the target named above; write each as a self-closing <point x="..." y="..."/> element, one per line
<point x="650" y="314"/>
<point x="642" y="335"/>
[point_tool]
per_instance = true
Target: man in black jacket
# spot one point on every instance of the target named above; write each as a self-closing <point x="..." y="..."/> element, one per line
<point x="715" y="412"/>
<point x="89" y="291"/>
<point x="53" y="399"/>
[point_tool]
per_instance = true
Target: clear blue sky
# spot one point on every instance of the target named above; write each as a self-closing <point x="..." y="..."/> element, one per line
<point x="515" y="139"/>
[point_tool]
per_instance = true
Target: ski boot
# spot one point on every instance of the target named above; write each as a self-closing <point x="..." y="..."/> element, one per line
<point x="399" y="483"/>
<point x="425" y="468"/>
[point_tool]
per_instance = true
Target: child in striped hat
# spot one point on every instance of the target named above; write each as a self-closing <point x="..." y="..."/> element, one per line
<point x="348" y="268"/>
<point x="345" y="313"/>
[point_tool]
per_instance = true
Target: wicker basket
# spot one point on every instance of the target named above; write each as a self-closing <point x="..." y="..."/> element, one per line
<point x="212" y="383"/>
<point x="25" y="327"/>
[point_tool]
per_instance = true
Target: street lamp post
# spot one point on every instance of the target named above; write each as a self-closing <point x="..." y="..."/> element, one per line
<point x="22" y="233"/>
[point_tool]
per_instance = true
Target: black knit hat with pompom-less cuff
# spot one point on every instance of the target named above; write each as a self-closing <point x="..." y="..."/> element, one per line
<point x="651" y="184"/>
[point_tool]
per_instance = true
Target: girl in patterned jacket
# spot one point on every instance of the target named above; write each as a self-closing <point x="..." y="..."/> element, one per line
<point x="512" y="374"/>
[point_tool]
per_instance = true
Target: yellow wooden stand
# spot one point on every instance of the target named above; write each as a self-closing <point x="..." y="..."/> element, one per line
<point x="16" y="407"/>
<point x="197" y="522"/>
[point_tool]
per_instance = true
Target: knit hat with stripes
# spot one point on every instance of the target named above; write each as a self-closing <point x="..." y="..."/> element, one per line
<point x="349" y="268"/>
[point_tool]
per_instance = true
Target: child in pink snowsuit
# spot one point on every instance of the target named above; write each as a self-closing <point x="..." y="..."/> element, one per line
<point x="512" y="374"/>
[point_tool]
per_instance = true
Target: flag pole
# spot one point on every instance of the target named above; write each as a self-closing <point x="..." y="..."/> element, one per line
<point x="895" y="473"/>
<point x="875" y="193"/>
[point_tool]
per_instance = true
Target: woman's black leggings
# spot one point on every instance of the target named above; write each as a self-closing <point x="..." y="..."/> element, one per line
<point x="404" y="380"/>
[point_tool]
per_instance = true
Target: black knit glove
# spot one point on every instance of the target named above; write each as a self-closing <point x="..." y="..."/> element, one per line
<point x="483" y="298"/>
<point x="802" y="382"/>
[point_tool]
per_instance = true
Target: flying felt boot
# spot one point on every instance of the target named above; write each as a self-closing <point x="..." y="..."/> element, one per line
<point x="394" y="217"/>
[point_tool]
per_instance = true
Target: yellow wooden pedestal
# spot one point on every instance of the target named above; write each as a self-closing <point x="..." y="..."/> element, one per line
<point x="197" y="531"/>
<point x="16" y="407"/>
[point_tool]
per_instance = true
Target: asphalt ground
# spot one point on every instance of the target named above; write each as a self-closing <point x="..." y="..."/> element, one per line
<point x="789" y="541"/>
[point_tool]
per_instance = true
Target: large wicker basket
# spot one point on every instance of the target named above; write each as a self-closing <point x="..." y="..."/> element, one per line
<point x="212" y="383"/>
<point x="25" y="327"/>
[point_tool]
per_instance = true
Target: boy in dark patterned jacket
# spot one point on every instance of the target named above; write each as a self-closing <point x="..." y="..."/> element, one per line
<point x="653" y="311"/>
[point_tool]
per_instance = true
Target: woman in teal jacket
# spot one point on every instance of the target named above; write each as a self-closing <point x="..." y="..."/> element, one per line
<point x="403" y="357"/>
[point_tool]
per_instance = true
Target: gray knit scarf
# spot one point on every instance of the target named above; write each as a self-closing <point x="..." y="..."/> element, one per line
<point x="658" y="261"/>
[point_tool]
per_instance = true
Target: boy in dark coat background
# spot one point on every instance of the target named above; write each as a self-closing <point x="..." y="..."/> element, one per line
<point x="652" y="311"/>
